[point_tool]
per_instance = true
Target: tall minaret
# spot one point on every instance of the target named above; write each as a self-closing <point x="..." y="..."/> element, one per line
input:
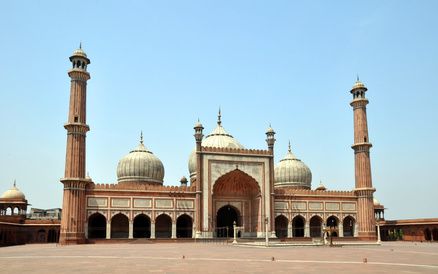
<point x="73" y="212"/>
<point x="364" y="187"/>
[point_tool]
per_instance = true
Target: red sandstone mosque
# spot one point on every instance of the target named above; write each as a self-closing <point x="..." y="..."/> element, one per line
<point x="229" y="184"/>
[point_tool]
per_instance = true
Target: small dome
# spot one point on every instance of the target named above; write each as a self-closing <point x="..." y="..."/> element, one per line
<point x="218" y="138"/>
<point x="376" y="202"/>
<point x="291" y="172"/>
<point x="358" y="84"/>
<point x="140" y="165"/>
<point x="270" y="130"/>
<point x="321" y="186"/>
<point x="80" y="52"/>
<point x="13" y="193"/>
<point x="198" y="125"/>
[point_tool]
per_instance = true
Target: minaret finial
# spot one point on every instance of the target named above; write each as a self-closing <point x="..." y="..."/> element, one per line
<point x="141" y="137"/>
<point x="15" y="182"/>
<point x="358" y="77"/>
<point x="219" y="117"/>
<point x="289" y="145"/>
<point x="80" y="45"/>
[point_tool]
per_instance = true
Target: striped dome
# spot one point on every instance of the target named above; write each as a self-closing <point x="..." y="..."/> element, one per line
<point x="140" y="165"/>
<point x="291" y="172"/>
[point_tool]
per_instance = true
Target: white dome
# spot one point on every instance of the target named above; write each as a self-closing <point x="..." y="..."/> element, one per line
<point x="13" y="193"/>
<point x="376" y="202"/>
<point x="218" y="138"/>
<point x="140" y="165"/>
<point x="291" y="172"/>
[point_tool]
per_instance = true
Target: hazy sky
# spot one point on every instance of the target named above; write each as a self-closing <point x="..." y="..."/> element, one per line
<point x="158" y="66"/>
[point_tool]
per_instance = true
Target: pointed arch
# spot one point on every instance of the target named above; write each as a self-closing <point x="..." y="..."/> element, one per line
<point x="142" y="226"/>
<point x="236" y="183"/>
<point x="119" y="226"/>
<point x="281" y="223"/>
<point x="316" y="226"/>
<point x="184" y="226"/>
<point x="298" y="226"/>
<point x="348" y="226"/>
<point x="163" y="226"/>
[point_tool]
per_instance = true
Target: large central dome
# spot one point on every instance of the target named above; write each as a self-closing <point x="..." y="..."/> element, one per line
<point x="218" y="138"/>
<point x="140" y="166"/>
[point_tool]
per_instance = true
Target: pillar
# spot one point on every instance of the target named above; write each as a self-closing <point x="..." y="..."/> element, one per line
<point x="307" y="229"/>
<point x="108" y="229"/>
<point x="131" y="230"/>
<point x="152" y="229"/>
<point x="341" y="229"/>
<point x="173" y="230"/>
<point x="289" y="230"/>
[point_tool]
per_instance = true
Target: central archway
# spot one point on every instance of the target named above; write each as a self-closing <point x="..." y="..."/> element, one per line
<point x="236" y="197"/>
<point x="226" y="216"/>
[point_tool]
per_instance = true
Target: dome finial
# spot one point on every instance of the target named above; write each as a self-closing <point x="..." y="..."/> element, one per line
<point x="289" y="145"/>
<point x="219" y="117"/>
<point x="80" y="45"/>
<point x="141" y="137"/>
<point x="358" y="77"/>
<point x="15" y="182"/>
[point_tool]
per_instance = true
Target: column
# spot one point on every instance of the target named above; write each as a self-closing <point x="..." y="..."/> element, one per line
<point x="289" y="230"/>
<point x="153" y="230"/>
<point x="193" y="230"/>
<point x="108" y="229"/>
<point x="341" y="229"/>
<point x="307" y="229"/>
<point x="356" y="232"/>
<point x="86" y="230"/>
<point x="131" y="230"/>
<point x="173" y="230"/>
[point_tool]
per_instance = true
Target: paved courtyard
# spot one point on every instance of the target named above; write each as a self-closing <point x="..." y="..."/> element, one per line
<point x="391" y="257"/>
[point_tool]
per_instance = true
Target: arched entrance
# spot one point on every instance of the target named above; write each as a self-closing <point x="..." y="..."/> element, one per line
<point x="142" y="227"/>
<point x="281" y="226"/>
<point x="52" y="236"/>
<point x="97" y="226"/>
<point x="226" y="216"/>
<point x="348" y="226"/>
<point x="240" y="190"/>
<point x="41" y="236"/>
<point x="119" y="226"/>
<point x="332" y="222"/>
<point x="184" y="226"/>
<point x="163" y="226"/>
<point x="427" y="235"/>
<point x="315" y="227"/>
<point x="298" y="227"/>
<point x="435" y="234"/>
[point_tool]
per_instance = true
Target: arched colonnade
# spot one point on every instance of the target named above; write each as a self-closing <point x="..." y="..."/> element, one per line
<point x="313" y="227"/>
<point x="119" y="226"/>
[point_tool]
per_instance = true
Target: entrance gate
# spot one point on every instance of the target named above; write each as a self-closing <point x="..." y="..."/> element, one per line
<point x="226" y="216"/>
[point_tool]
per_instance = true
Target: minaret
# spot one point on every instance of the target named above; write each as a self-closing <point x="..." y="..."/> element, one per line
<point x="364" y="187"/>
<point x="73" y="212"/>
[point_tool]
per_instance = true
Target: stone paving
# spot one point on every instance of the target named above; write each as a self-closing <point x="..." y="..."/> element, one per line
<point x="390" y="257"/>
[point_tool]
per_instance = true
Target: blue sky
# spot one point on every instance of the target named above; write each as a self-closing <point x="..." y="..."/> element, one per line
<point x="158" y="66"/>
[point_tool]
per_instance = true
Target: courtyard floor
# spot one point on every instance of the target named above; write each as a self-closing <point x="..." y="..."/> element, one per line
<point x="390" y="257"/>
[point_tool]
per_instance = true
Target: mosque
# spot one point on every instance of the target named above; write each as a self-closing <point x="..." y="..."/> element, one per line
<point x="228" y="184"/>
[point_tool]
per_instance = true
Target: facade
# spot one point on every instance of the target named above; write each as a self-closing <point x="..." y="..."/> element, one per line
<point x="228" y="184"/>
<point x="15" y="228"/>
